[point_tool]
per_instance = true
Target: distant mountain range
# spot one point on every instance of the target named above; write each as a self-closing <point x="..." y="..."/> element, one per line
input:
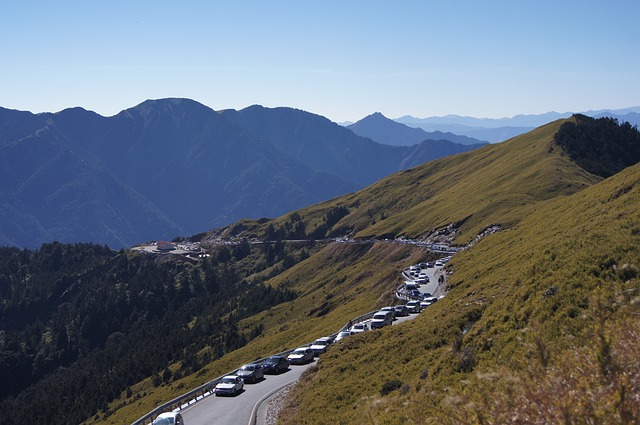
<point x="174" y="167"/>
<point x="384" y="130"/>
<point x="500" y="129"/>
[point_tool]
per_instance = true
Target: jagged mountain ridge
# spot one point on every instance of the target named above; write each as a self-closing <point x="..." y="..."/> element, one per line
<point x="174" y="167"/>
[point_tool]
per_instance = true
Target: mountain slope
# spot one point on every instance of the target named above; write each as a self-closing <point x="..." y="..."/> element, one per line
<point x="156" y="171"/>
<point x="53" y="192"/>
<point x="205" y="170"/>
<point x="320" y="143"/>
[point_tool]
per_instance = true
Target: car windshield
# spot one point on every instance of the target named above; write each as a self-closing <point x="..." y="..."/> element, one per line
<point x="248" y="367"/>
<point x="320" y="342"/>
<point x="163" y="421"/>
<point x="299" y="351"/>
<point x="271" y="360"/>
<point x="228" y="380"/>
<point x="358" y="326"/>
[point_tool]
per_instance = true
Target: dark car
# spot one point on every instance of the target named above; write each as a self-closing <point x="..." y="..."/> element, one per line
<point x="275" y="364"/>
<point x="251" y="373"/>
<point x="401" y="310"/>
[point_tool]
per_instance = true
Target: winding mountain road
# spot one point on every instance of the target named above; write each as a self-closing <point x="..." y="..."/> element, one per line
<point x="240" y="410"/>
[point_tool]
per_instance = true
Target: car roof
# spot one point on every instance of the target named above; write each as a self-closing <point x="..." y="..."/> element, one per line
<point x="167" y="415"/>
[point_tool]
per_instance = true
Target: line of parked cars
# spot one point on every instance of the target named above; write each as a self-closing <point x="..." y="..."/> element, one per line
<point x="255" y="372"/>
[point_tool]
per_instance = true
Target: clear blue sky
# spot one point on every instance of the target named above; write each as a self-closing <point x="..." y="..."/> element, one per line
<point x="340" y="59"/>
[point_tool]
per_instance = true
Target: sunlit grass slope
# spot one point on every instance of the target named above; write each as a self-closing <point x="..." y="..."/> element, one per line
<point x="540" y="326"/>
<point x="497" y="184"/>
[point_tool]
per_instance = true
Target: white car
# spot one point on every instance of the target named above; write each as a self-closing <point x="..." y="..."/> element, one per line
<point x="320" y="346"/>
<point x="343" y="334"/>
<point x="168" y="418"/>
<point x="414" y="306"/>
<point x="301" y="355"/>
<point x="359" y="327"/>
<point x="229" y="385"/>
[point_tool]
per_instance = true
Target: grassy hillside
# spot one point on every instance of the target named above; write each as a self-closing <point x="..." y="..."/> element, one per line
<point x="496" y="184"/>
<point x="540" y="326"/>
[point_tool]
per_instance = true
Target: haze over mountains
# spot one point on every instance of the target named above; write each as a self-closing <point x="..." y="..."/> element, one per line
<point x="174" y="167"/>
<point x="500" y="129"/>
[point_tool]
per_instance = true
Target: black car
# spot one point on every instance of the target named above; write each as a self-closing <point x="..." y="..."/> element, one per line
<point x="251" y="373"/>
<point x="275" y="364"/>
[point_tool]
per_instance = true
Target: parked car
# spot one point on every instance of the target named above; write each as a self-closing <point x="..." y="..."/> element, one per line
<point x="381" y="319"/>
<point x="411" y="285"/>
<point x="426" y="295"/>
<point x="430" y="299"/>
<point x="423" y="265"/>
<point x="391" y="310"/>
<point x="229" y="385"/>
<point x="320" y="345"/>
<point x="275" y="364"/>
<point x="301" y="355"/>
<point x="251" y="373"/>
<point x="169" y="418"/>
<point x="343" y="334"/>
<point x="359" y="327"/>
<point x="415" y="293"/>
<point x="430" y="264"/>
<point x="414" y="306"/>
<point x="401" y="310"/>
